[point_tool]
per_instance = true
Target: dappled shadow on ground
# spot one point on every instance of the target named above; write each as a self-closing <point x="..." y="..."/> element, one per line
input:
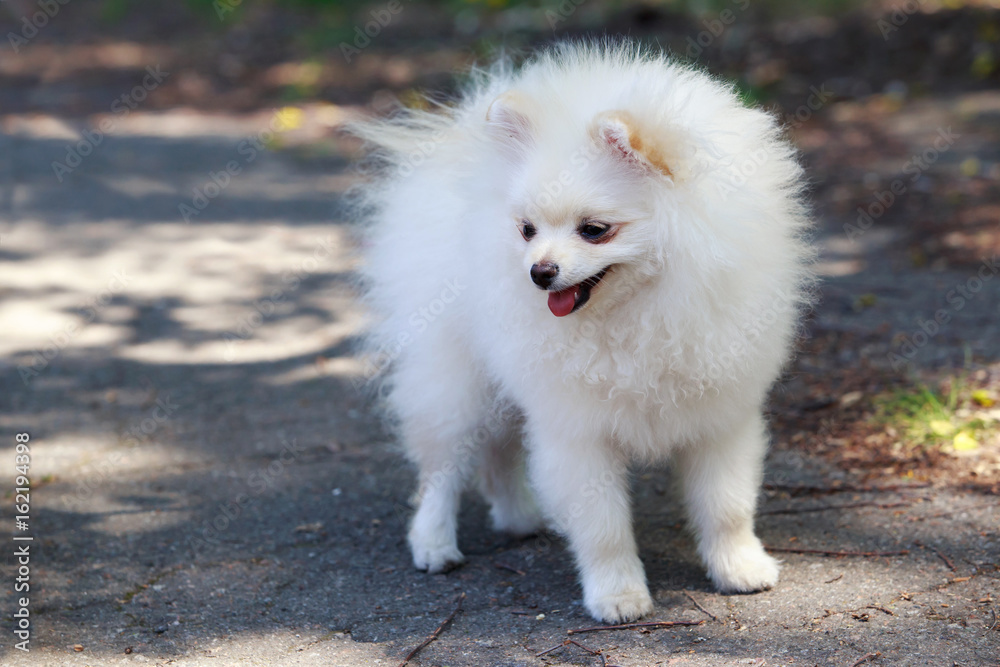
<point x="211" y="479"/>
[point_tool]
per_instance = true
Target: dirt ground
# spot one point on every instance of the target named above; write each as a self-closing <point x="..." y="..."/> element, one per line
<point x="212" y="486"/>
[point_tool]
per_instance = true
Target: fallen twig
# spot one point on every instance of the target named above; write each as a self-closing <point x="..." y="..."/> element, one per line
<point x="947" y="561"/>
<point x="434" y="635"/>
<point x="866" y="658"/>
<point x="858" y="613"/>
<point x="837" y="578"/>
<point x="503" y="566"/>
<point x="566" y="643"/>
<point x="590" y="651"/>
<point x="629" y="626"/>
<point x="821" y="552"/>
<point x="881" y="609"/>
<point x="702" y="609"/>
<point x="824" y="508"/>
<point x="953" y="511"/>
<point x="804" y="490"/>
<point x="554" y="648"/>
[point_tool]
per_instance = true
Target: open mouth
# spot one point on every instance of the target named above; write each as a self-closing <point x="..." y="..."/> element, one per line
<point x="571" y="299"/>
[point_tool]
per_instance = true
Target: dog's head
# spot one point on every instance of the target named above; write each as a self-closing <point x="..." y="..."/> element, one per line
<point x="582" y="198"/>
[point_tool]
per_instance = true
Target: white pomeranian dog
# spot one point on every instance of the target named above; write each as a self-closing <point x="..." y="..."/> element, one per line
<point x="597" y="258"/>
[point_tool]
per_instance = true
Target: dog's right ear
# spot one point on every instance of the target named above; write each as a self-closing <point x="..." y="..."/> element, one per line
<point x="620" y="133"/>
<point x="508" y="123"/>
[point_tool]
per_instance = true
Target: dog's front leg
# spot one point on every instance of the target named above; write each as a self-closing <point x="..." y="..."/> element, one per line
<point x="583" y="488"/>
<point x="721" y="480"/>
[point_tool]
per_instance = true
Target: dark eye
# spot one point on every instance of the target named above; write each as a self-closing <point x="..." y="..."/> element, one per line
<point x="527" y="230"/>
<point x="592" y="231"/>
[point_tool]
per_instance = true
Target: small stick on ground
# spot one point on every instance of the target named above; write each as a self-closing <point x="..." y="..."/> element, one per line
<point x="567" y="643"/>
<point x="503" y="566"/>
<point x="866" y="658"/>
<point x="590" y="651"/>
<point x="629" y="626"/>
<point x="702" y="609"/>
<point x="824" y="508"/>
<point x="821" y="552"/>
<point x="954" y="511"/>
<point x="837" y="578"/>
<point x="434" y="635"/>
<point x="882" y="609"/>
<point x="800" y="490"/>
<point x="947" y="561"/>
<point x="554" y="648"/>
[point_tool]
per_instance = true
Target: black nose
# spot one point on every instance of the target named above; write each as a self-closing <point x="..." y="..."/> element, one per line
<point x="544" y="273"/>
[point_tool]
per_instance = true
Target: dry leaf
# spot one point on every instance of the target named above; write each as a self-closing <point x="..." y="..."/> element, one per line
<point x="964" y="442"/>
<point x="983" y="398"/>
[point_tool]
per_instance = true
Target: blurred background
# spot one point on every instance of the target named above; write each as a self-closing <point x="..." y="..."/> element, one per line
<point x="178" y="334"/>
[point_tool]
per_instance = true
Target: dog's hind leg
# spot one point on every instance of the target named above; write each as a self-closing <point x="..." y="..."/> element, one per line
<point x="503" y="478"/>
<point x="438" y="421"/>
<point x="721" y="480"/>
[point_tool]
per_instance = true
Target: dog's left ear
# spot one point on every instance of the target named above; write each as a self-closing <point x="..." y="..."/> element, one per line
<point x="508" y="122"/>
<point x="620" y="133"/>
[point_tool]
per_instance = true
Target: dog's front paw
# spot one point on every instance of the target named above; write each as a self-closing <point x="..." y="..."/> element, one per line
<point x="746" y="569"/>
<point x="435" y="555"/>
<point x="621" y="607"/>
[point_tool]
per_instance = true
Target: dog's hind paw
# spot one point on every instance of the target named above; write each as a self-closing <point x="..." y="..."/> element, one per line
<point x="437" y="558"/>
<point x="621" y="607"/>
<point x="747" y="570"/>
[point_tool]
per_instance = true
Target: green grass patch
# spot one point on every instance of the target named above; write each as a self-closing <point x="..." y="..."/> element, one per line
<point x="954" y="417"/>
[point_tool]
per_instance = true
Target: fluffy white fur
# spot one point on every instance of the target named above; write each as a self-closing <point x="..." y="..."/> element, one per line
<point x="673" y="354"/>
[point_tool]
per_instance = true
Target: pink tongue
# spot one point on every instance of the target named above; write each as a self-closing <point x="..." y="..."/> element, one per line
<point x="561" y="303"/>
